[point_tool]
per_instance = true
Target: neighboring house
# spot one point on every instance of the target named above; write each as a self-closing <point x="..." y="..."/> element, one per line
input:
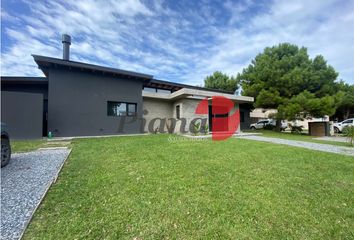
<point x="259" y="114"/>
<point x="305" y="122"/>
<point x="79" y="99"/>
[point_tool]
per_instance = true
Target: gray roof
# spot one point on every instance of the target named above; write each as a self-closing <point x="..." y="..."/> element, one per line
<point x="22" y="79"/>
<point x="47" y="62"/>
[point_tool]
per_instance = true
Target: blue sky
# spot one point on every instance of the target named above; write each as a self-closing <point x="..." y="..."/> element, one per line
<point x="181" y="41"/>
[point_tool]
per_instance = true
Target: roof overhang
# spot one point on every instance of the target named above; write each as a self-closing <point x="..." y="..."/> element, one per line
<point x="46" y="63"/>
<point x="23" y="80"/>
<point x="198" y="94"/>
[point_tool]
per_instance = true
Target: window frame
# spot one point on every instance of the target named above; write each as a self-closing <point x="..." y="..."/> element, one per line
<point x="127" y="112"/>
<point x="178" y="111"/>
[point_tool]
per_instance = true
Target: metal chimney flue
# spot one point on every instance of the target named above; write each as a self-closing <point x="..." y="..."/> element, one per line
<point x="66" y="40"/>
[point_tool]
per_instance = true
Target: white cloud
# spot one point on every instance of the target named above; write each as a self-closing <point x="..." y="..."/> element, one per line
<point x="306" y="23"/>
<point x="176" y="45"/>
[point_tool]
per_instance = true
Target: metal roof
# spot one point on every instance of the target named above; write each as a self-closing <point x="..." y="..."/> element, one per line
<point x="47" y="62"/>
<point x="27" y="80"/>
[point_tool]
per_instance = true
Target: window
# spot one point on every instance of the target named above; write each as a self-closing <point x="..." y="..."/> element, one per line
<point x="121" y="109"/>
<point x="348" y="121"/>
<point x="156" y="90"/>
<point x="178" y="114"/>
<point x="131" y="109"/>
<point x="163" y="91"/>
<point x="147" y="89"/>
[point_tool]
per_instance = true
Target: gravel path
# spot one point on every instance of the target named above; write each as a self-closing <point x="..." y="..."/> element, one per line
<point x="24" y="181"/>
<point x="313" y="146"/>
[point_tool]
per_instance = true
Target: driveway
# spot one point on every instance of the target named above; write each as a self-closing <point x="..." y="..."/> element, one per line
<point x="309" y="145"/>
<point x="24" y="182"/>
<point x="333" y="139"/>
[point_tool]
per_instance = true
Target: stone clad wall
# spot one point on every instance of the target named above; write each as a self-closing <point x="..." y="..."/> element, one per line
<point x="156" y="109"/>
<point x="164" y="109"/>
<point x="188" y="107"/>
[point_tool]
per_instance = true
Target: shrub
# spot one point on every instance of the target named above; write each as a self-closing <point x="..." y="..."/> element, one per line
<point x="349" y="133"/>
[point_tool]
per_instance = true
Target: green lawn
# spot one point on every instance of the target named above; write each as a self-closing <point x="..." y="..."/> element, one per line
<point x="298" y="137"/>
<point x="147" y="187"/>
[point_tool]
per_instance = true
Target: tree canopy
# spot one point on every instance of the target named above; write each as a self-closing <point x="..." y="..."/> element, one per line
<point x="221" y="81"/>
<point x="284" y="77"/>
<point x="344" y="101"/>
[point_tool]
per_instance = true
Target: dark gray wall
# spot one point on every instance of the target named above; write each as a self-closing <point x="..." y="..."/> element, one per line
<point x="23" y="113"/>
<point x="246" y="109"/>
<point x="77" y="104"/>
<point x="26" y="87"/>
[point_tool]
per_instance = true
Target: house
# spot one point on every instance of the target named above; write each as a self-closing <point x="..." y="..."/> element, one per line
<point x="80" y="99"/>
<point x="259" y="114"/>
